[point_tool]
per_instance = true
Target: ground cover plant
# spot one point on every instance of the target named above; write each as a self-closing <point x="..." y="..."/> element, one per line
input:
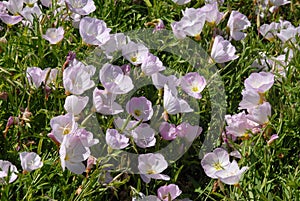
<point x="149" y="100"/>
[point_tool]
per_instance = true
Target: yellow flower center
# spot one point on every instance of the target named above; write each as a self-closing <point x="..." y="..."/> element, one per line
<point x="195" y="89"/>
<point x="218" y="166"/>
<point x="133" y="59"/>
<point x="151" y="172"/>
<point x="137" y="112"/>
<point x="66" y="131"/>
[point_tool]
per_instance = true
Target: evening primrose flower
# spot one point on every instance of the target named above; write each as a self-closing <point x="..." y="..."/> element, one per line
<point x="173" y="104"/>
<point x="35" y="76"/>
<point x="191" y="24"/>
<point x="135" y="53"/>
<point x="30" y="12"/>
<point x="114" y="80"/>
<point x="238" y="125"/>
<point x="260" y="114"/>
<point x="212" y="14"/>
<point x="144" y="136"/>
<point x="63" y="125"/>
<point x="86" y="137"/>
<point x="236" y="23"/>
<point x="81" y="7"/>
<point x="151" y="165"/>
<point x="260" y="82"/>
<point x="72" y="153"/>
<point x="116" y="140"/>
<point x="222" y="50"/>
<point x="193" y="84"/>
<point x="115" y="43"/>
<point x="188" y="132"/>
<point x="152" y="65"/>
<point x="104" y="102"/>
<point x="269" y="31"/>
<point x="214" y="162"/>
<point x="54" y="35"/>
<point x="251" y="98"/>
<point x="140" y="108"/>
<point x="30" y="161"/>
<point x="272" y="139"/>
<point x="231" y="174"/>
<point x="7" y="169"/>
<point x="159" y="80"/>
<point x="75" y="104"/>
<point x="94" y="31"/>
<point x="181" y="2"/>
<point x="10" y="20"/>
<point x="77" y="78"/>
<point x="169" y="192"/>
<point x="15" y="6"/>
<point x="168" y="131"/>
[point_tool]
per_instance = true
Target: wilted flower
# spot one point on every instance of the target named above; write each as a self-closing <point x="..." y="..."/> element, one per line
<point x="63" y="125"/>
<point x="231" y="174"/>
<point x="54" y="35"/>
<point x="236" y="23"/>
<point x="93" y="31"/>
<point x="169" y="192"/>
<point x="260" y="114"/>
<point x="114" y="80"/>
<point x="75" y="104"/>
<point x="193" y="84"/>
<point x="30" y="161"/>
<point x="272" y="139"/>
<point x="104" y="102"/>
<point x="81" y="7"/>
<point x="144" y="136"/>
<point x="151" y="165"/>
<point x="260" y="82"/>
<point x="222" y="50"/>
<point x="238" y="124"/>
<point x="116" y="140"/>
<point x="135" y="53"/>
<point x="7" y="169"/>
<point x="72" y="153"/>
<point x="126" y="69"/>
<point x="140" y="108"/>
<point x="214" y="162"/>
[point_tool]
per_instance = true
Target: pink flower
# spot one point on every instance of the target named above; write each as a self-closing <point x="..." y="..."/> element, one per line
<point x="116" y="140"/>
<point x="86" y="137"/>
<point x="251" y="98"/>
<point x="268" y="31"/>
<point x="260" y="82"/>
<point x="152" y="65"/>
<point x="63" y="125"/>
<point x="115" y="43"/>
<point x="212" y="14"/>
<point x="7" y="169"/>
<point x="151" y="165"/>
<point x="30" y="161"/>
<point x="169" y="192"/>
<point x="193" y="84"/>
<point x="173" y="104"/>
<point x="272" y="139"/>
<point x="222" y="50"/>
<point x="81" y="7"/>
<point x="238" y="124"/>
<point x="75" y="104"/>
<point x="77" y="78"/>
<point x="54" y="35"/>
<point x="214" y="162"/>
<point x="260" y="114"/>
<point x="104" y="102"/>
<point x="94" y="31"/>
<point x="231" y="174"/>
<point x="135" y="53"/>
<point x="15" y="6"/>
<point x="72" y="153"/>
<point x="168" y="131"/>
<point x="181" y="2"/>
<point x="114" y="80"/>
<point x="191" y="24"/>
<point x="159" y="80"/>
<point x="140" y="108"/>
<point x="236" y="23"/>
<point x="10" y="20"/>
<point x="187" y="131"/>
<point x="144" y="136"/>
